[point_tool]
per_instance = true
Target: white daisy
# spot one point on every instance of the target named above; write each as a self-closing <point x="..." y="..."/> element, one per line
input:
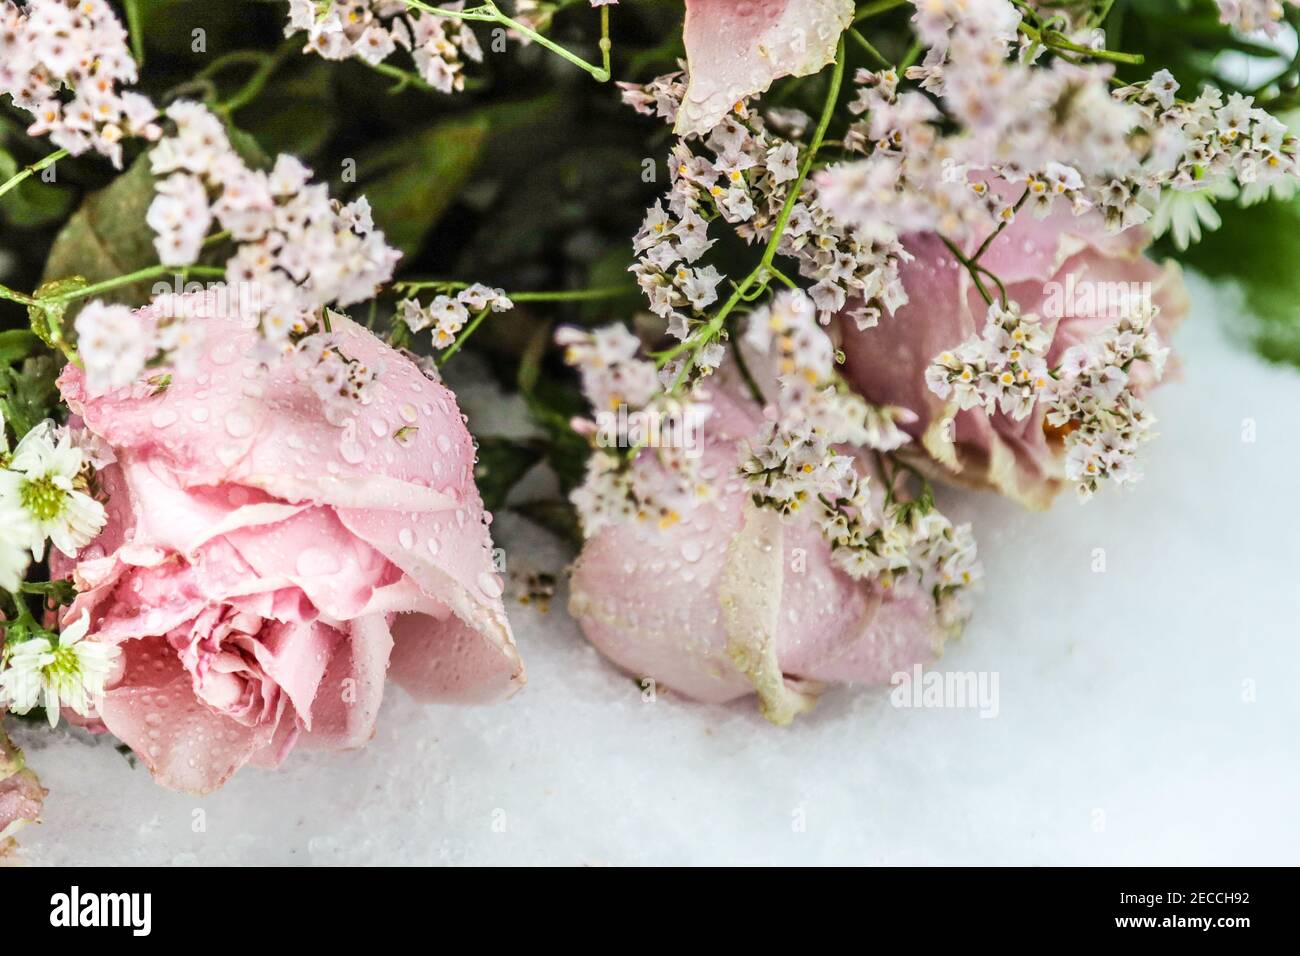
<point x="15" y="533"/>
<point x="41" y="479"/>
<point x="1185" y="212"/>
<point x="69" y="673"/>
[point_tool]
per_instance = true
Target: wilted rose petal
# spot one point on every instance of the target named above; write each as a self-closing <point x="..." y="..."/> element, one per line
<point x="1049" y="266"/>
<point x="736" y="48"/>
<point x="734" y="601"/>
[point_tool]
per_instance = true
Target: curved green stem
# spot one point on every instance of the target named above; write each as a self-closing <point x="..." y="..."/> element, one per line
<point x="140" y="275"/>
<point x="31" y="170"/>
<point x="452" y="349"/>
<point x="869" y="10"/>
<point x="867" y="45"/>
<point x="559" y="295"/>
<point x="764" y="270"/>
<point x="490" y="13"/>
<point x="257" y="82"/>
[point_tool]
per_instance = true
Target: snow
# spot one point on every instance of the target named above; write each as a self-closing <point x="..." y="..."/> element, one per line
<point x="1147" y="713"/>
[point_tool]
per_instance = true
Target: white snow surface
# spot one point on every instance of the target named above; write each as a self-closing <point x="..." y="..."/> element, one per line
<point x="1147" y="714"/>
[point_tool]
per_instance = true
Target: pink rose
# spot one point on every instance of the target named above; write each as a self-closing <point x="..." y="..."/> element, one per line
<point x="269" y="556"/>
<point x="1070" y="272"/>
<point x="732" y="600"/>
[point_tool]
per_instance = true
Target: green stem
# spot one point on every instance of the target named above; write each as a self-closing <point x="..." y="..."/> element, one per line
<point x="743" y="367"/>
<point x="913" y="54"/>
<point x="973" y="269"/>
<point x="866" y="45"/>
<point x="876" y="8"/>
<point x="578" y="295"/>
<point x="14" y="295"/>
<point x="140" y="275"/>
<point x="1059" y="42"/>
<point x="34" y="168"/>
<point x="257" y="82"/>
<point x="605" y="45"/>
<point x="763" y="271"/>
<point x="984" y="246"/>
<point x="452" y="349"/>
<point x="489" y="13"/>
<point x="828" y="109"/>
<point x="404" y="78"/>
<point x="559" y="295"/>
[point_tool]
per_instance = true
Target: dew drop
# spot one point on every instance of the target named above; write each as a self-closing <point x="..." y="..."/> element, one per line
<point x="238" y="425"/>
<point x="352" y="453"/>
<point x="490" y="585"/>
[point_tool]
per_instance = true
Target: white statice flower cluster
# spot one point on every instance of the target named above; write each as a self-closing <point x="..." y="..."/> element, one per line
<point x="805" y="460"/>
<point x="372" y="30"/>
<point x="1050" y="132"/>
<point x="795" y="471"/>
<point x="299" y="249"/>
<point x="629" y="476"/>
<point x="117" y="345"/>
<point x="1214" y="149"/>
<point x="1090" y="398"/>
<point x="45" y="494"/>
<point x="812" y="395"/>
<point x="744" y="177"/>
<point x="297" y="253"/>
<point x="1254" y="16"/>
<point x="447" y="314"/>
<point x="1094" y="402"/>
<point x="56" y="671"/>
<point x="1003" y="369"/>
<point x="65" y="62"/>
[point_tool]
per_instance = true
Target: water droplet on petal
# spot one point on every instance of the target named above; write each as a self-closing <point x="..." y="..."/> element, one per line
<point x="490" y="585"/>
<point x="238" y="425"/>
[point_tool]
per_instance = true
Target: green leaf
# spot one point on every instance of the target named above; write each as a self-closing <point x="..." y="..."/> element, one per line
<point x="16" y="345"/>
<point x="108" y="236"/>
<point x="502" y="462"/>
<point x="1258" y="246"/>
<point x="412" y="182"/>
<point x="29" y="395"/>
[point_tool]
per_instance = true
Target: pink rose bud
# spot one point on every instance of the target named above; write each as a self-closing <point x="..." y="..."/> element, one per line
<point x="733" y="600"/>
<point x="273" y="552"/>
<point x="1068" y="272"/>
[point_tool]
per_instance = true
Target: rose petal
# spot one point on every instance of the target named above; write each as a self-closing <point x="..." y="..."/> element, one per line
<point x="736" y="48"/>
